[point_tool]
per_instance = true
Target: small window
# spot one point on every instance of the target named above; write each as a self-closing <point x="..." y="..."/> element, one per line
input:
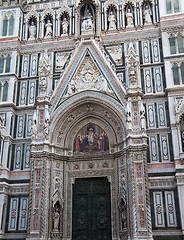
<point x="176" y="75"/>
<point x="172" y="6"/>
<point x="168" y="6"/>
<point x="172" y="45"/>
<point x="8" y="60"/>
<point x="176" y="6"/>
<point x="8" y="26"/>
<point x="1" y="64"/>
<point x="180" y="44"/>
<point x="5" y="92"/>
<point x="5" y="26"/>
<point x="11" y="26"/>
<point x="182" y="72"/>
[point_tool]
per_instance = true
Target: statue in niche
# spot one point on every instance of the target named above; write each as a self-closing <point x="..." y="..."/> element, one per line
<point x="123" y="213"/>
<point x="48" y="27"/>
<point x="128" y="116"/>
<point x="129" y="17"/>
<point x="112" y="21"/>
<point x="32" y="31"/>
<point x="56" y="217"/>
<point x="65" y="25"/>
<point x="34" y="127"/>
<point x="147" y="15"/>
<point x="142" y="117"/>
<point x="87" y="23"/>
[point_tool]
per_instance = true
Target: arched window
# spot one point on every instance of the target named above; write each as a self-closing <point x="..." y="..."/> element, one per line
<point x="176" y="74"/>
<point x="8" y="60"/>
<point x="182" y="132"/>
<point x="180" y="44"/>
<point x="2" y="64"/>
<point x="182" y="72"/>
<point x="172" y="6"/>
<point x="0" y="90"/>
<point x="5" y="92"/>
<point x="172" y="45"/>
<point x="5" y="26"/>
<point x="11" y="26"/>
<point x="8" y="26"/>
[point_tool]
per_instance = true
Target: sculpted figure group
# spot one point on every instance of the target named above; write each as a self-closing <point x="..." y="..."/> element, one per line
<point x="88" y="22"/>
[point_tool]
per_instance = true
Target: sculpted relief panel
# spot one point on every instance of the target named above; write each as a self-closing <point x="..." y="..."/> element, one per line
<point x="88" y="77"/>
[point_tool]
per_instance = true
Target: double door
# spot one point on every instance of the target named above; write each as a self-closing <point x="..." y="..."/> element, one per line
<point x="91" y="216"/>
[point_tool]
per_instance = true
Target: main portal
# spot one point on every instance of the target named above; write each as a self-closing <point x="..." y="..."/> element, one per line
<point x="91" y="218"/>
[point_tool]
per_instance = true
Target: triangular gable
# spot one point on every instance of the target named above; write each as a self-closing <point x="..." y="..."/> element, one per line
<point x="91" y="50"/>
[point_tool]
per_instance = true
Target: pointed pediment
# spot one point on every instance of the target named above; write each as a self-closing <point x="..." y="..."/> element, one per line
<point x="88" y="69"/>
<point x="87" y="77"/>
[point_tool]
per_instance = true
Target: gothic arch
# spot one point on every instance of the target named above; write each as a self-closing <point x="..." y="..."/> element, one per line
<point x="64" y="9"/>
<point x="77" y="113"/>
<point x="109" y="3"/>
<point x="32" y="14"/>
<point x="47" y="12"/>
<point x="80" y="3"/>
<point x="128" y="2"/>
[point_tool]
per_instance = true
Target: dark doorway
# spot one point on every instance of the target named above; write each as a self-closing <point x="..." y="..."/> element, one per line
<point x="91" y="209"/>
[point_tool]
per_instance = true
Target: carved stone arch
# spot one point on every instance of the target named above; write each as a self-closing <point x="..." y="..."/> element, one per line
<point x="109" y="3"/>
<point x="32" y="14"/>
<point x="8" y="14"/>
<point x="57" y="197"/>
<point x="80" y="3"/>
<point x="70" y="120"/>
<point x="64" y="9"/>
<point x="128" y="2"/>
<point x="48" y="12"/>
<point x="144" y="1"/>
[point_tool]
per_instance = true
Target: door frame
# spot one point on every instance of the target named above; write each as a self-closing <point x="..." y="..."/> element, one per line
<point x="93" y="181"/>
<point x="111" y="175"/>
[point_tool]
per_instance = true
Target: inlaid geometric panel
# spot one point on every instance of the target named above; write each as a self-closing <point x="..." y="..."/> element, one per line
<point x="25" y="65"/>
<point x="164" y="147"/>
<point x="27" y="156"/>
<point x="170" y="209"/>
<point x="32" y="92"/>
<point x="13" y="214"/>
<point x="158" y="209"/>
<point x="29" y="125"/>
<point x="161" y="114"/>
<point x="158" y="79"/>
<point x="33" y="65"/>
<point x="151" y="115"/>
<point x="20" y="126"/>
<point x="23" y="213"/>
<point x="23" y="92"/>
<point x="18" y="157"/>
<point x="148" y="80"/>
<point x="153" y="146"/>
<point x="155" y="50"/>
<point x="146" y="52"/>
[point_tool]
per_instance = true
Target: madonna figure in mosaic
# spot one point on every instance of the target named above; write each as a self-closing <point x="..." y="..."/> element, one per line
<point x="90" y="139"/>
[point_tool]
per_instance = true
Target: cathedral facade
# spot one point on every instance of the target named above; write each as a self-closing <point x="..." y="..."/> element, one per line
<point x="92" y="120"/>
